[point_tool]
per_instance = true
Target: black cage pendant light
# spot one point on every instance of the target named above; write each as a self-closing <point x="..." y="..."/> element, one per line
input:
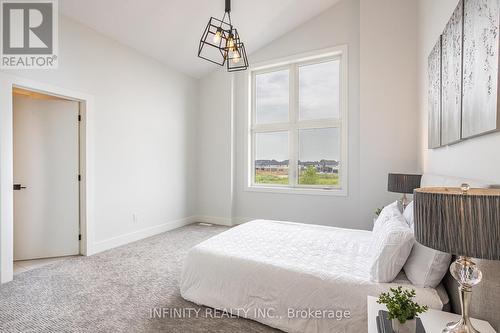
<point x="221" y="43"/>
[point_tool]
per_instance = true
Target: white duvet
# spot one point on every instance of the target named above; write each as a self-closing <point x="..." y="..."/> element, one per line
<point x="294" y="277"/>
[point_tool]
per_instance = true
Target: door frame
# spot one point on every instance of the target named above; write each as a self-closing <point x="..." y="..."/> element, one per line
<point x="86" y="103"/>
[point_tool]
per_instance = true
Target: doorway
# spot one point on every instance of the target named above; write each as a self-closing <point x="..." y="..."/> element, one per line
<point x="46" y="174"/>
<point x="86" y="101"/>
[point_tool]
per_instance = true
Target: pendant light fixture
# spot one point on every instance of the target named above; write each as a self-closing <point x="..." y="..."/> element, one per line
<point x="221" y="43"/>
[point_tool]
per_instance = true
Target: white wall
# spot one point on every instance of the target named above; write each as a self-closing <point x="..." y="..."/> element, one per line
<point x="381" y="40"/>
<point x="388" y="102"/>
<point x="337" y="26"/>
<point x="214" y="147"/>
<point x="476" y="158"/>
<point x="144" y="130"/>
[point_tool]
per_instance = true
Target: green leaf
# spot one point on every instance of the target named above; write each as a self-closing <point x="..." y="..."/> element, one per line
<point x="400" y="304"/>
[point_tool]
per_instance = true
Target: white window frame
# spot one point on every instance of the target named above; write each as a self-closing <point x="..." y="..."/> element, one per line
<point x="293" y="124"/>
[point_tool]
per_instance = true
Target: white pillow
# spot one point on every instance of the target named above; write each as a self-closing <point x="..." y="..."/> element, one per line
<point x="408" y="214"/>
<point x="425" y="267"/>
<point x="391" y="245"/>
<point x="386" y="214"/>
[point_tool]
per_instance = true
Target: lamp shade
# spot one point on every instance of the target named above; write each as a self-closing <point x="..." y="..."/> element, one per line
<point x="403" y="183"/>
<point x="460" y="221"/>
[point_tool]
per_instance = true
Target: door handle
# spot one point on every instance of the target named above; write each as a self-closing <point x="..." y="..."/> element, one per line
<point x="18" y="187"/>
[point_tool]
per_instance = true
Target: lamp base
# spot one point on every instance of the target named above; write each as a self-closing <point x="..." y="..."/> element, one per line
<point x="465" y="271"/>
<point x="460" y="327"/>
<point x="403" y="202"/>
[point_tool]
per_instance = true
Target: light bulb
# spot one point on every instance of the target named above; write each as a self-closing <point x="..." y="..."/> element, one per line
<point x="230" y="43"/>
<point x="236" y="57"/>
<point x="217" y="35"/>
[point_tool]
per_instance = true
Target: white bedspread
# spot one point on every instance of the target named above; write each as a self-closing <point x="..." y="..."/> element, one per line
<point x="277" y="273"/>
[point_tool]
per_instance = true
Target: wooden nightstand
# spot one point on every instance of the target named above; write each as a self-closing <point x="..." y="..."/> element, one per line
<point x="434" y="321"/>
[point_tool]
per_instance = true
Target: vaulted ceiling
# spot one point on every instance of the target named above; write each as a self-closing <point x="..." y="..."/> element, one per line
<point x="170" y="30"/>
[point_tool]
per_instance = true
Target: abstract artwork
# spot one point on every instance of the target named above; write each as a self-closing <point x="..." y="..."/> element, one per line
<point x="451" y="95"/>
<point x="434" y="72"/>
<point x="480" y="67"/>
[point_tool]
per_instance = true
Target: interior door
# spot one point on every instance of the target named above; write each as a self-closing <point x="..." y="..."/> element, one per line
<point x="46" y="186"/>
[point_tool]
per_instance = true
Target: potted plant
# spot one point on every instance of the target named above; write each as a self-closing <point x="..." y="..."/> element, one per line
<point x="377" y="214"/>
<point x="402" y="309"/>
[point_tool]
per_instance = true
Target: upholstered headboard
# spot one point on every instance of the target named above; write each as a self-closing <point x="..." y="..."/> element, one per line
<point x="438" y="180"/>
<point x="485" y="297"/>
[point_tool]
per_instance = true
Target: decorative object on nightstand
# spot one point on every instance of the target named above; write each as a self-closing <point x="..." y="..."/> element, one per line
<point x="464" y="222"/>
<point x="403" y="310"/>
<point x="432" y="321"/>
<point x="384" y="324"/>
<point x="403" y="183"/>
<point x="376" y="214"/>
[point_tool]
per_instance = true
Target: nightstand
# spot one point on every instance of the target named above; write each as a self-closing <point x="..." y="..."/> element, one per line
<point x="433" y="320"/>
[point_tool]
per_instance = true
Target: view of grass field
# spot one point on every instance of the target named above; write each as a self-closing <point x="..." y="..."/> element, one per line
<point x="268" y="178"/>
<point x="327" y="179"/>
<point x="307" y="177"/>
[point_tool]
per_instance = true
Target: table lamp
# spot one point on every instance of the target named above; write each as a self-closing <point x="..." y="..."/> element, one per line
<point x="403" y="183"/>
<point x="464" y="222"/>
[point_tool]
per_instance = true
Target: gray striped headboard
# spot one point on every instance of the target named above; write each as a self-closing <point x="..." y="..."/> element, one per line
<point x="485" y="297"/>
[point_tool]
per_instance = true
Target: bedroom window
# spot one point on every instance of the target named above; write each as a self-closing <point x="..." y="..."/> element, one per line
<point x="298" y="126"/>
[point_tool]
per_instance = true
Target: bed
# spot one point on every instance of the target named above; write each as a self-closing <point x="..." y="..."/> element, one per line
<point x="290" y="276"/>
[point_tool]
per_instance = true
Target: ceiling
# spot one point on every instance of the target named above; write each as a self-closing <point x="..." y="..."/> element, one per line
<point x="170" y="30"/>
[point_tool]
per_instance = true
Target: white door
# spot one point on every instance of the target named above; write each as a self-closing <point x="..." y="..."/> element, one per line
<point x="46" y="211"/>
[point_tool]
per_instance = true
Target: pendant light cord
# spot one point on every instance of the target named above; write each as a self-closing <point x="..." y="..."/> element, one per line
<point x="224" y="17"/>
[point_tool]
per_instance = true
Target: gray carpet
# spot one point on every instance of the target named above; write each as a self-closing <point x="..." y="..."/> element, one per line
<point x="113" y="291"/>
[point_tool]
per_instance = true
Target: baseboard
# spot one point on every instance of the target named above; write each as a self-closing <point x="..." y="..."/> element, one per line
<point x="241" y="220"/>
<point x="213" y="220"/>
<point x="229" y="222"/>
<point x="140" y="234"/>
<point x="158" y="229"/>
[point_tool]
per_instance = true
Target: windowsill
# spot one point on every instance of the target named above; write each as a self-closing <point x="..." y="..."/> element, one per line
<point x="337" y="192"/>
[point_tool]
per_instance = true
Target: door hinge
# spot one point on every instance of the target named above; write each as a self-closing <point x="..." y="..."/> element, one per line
<point x="79" y="237"/>
<point x="79" y="178"/>
<point x="79" y="117"/>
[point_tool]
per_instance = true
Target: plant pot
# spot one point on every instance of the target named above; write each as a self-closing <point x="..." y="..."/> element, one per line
<point x="410" y="326"/>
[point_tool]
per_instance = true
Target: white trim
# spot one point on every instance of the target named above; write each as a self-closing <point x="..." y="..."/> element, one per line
<point x="241" y="220"/>
<point x="233" y="147"/>
<point x="225" y="221"/>
<point x="6" y="181"/>
<point x="299" y="190"/>
<point x="302" y="124"/>
<point x="7" y="82"/>
<point x="301" y="57"/>
<point x="293" y="63"/>
<point x="140" y="234"/>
